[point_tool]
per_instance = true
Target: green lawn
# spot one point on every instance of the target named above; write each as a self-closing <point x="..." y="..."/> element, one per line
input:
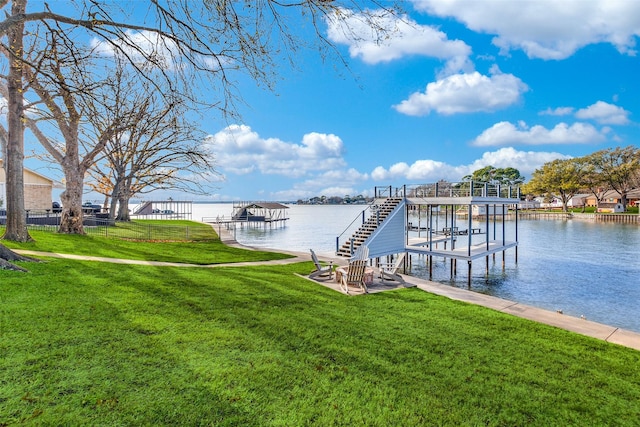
<point x="204" y="249"/>
<point x="86" y="343"/>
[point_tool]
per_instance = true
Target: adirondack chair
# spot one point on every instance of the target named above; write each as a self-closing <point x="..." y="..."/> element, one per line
<point x="354" y="275"/>
<point x="361" y="253"/>
<point x="321" y="270"/>
<point x="389" y="271"/>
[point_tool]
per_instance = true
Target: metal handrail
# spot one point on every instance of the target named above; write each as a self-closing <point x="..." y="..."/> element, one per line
<point x="360" y="215"/>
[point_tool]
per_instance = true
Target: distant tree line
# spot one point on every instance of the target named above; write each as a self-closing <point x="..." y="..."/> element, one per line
<point x="336" y="200"/>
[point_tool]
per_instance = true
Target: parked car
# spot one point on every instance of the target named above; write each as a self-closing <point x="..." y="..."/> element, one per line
<point x="90" y="208"/>
<point x="55" y="207"/>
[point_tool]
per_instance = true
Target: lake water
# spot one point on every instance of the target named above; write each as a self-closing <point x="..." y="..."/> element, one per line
<point x="579" y="267"/>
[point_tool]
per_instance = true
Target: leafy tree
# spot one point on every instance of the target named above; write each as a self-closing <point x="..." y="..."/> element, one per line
<point x="509" y="176"/>
<point x="484" y="174"/>
<point x="560" y="177"/>
<point x="490" y="174"/>
<point x="619" y="168"/>
<point x="592" y="179"/>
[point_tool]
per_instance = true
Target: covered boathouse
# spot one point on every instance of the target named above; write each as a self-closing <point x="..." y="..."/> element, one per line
<point x="438" y="220"/>
<point x="259" y="212"/>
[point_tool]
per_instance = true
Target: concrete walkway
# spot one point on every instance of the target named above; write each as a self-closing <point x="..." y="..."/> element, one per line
<point x="581" y="326"/>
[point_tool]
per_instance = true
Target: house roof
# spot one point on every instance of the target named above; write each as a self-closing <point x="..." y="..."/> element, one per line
<point x="631" y="194"/>
<point x="266" y="205"/>
<point x="54" y="183"/>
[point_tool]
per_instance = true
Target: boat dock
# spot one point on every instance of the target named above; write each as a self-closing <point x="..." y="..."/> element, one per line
<point x="392" y="228"/>
<point x="252" y="214"/>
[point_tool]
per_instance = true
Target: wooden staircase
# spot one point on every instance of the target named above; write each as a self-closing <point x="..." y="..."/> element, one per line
<point x="369" y="226"/>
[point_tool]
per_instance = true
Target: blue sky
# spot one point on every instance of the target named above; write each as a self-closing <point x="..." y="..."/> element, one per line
<point x="458" y="86"/>
<point x="462" y="85"/>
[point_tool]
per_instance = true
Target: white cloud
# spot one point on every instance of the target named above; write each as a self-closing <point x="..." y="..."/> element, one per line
<point x="604" y="113"/>
<point x="139" y="46"/>
<point x="525" y="161"/>
<point x="418" y="171"/>
<point x="506" y="133"/>
<point x="465" y="93"/>
<point x="330" y="183"/>
<point x="404" y="37"/>
<point x="547" y="29"/>
<point x="336" y="178"/>
<point x="240" y="150"/>
<point x="143" y="46"/>
<point x="560" y="111"/>
<point x="424" y="171"/>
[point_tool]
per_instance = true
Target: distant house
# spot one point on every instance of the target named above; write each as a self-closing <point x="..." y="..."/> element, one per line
<point x="553" y="203"/>
<point x="610" y="207"/>
<point x="612" y="196"/>
<point x="529" y="204"/>
<point x="577" y="201"/>
<point x="38" y="189"/>
<point x="481" y="210"/>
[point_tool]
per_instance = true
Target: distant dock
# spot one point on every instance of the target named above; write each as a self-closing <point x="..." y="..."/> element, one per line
<point x="254" y="214"/>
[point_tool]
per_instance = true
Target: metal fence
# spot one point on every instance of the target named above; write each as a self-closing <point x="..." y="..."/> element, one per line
<point x="133" y="231"/>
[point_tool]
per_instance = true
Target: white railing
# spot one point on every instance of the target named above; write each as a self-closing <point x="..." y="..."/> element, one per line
<point x="450" y="189"/>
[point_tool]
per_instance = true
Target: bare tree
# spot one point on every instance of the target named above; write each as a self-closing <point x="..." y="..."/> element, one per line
<point x="64" y="87"/>
<point x="159" y="148"/>
<point x="16" y="224"/>
<point x="13" y="146"/>
<point x="183" y="47"/>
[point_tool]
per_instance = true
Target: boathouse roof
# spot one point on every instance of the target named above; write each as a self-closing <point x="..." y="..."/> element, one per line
<point x="265" y="205"/>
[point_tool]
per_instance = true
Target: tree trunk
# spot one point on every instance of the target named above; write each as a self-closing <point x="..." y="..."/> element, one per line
<point x="71" y="197"/>
<point x="16" y="219"/>
<point x="123" y="209"/>
<point x="112" y="208"/>
<point x="7" y="255"/>
<point x="114" y="201"/>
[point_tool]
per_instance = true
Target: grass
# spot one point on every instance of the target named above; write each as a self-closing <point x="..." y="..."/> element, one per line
<point x="204" y="248"/>
<point x="87" y="343"/>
